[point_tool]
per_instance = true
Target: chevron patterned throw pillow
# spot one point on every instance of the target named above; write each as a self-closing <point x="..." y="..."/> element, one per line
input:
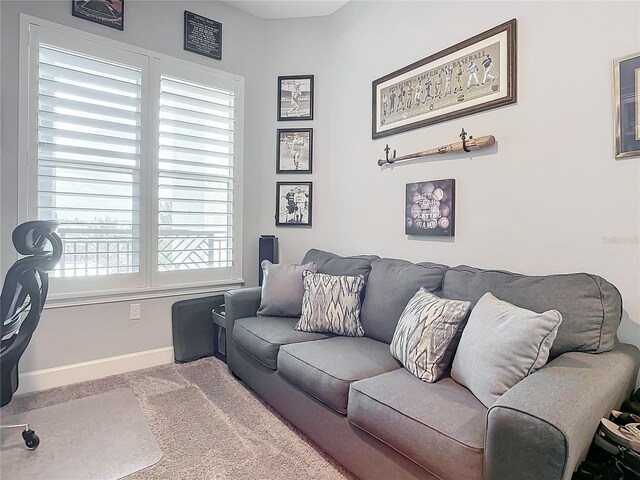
<point x="331" y="303"/>
<point x="425" y="329"/>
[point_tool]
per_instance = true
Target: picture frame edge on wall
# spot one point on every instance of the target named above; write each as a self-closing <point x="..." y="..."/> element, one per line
<point x="617" y="124"/>
<point x="293" y="130"/>
<point x="511" y="29"/>
<point x="309" y="208"/>
<point x="311" y="78"/>
<point x="116" y="27"/>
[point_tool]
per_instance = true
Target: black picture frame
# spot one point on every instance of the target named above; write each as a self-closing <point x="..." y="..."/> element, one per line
<point x="284" y="136"/>
<point x="430" y="208"/>
<point x="443" y="81"/>
<point x="104" y="12"/>
<point x="209" y="46"/>
<point x="289" y="112"/>
<point x="297" y="212"/>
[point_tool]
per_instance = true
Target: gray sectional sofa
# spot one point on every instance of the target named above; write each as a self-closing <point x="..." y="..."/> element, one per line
<point x="379" y="421"/>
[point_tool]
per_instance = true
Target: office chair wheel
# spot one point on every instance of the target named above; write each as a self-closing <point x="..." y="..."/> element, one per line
<point x="31" y="440"/>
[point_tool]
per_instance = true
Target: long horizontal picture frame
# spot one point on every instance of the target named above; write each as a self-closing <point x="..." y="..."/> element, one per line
<point x="472" y="76"/>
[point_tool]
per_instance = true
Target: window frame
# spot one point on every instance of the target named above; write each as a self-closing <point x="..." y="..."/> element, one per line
<point x="149" y="282"/>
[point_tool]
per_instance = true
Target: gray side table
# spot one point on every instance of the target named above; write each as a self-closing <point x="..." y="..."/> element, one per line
<point x="219" y="338"/>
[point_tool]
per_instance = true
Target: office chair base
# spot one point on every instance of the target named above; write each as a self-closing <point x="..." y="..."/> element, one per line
<point x="31" y="440"/>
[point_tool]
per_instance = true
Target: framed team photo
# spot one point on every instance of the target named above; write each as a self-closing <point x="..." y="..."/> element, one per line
<point x="104" y="12"/>
<point x="295" y="97"/>
<point x="293" y="204"/>
<point x="626" y="93"/>
<point x="294" y="150"/>
<point x="472" y="76"/>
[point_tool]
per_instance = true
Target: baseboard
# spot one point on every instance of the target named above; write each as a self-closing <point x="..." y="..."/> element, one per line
<point x="103" y="367"/>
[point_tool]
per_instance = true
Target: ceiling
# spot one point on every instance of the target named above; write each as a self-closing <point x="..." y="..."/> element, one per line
<point x="287" y="8"/>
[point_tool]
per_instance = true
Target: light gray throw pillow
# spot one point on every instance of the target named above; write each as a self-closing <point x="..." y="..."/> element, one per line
<point x="282" y="289"/>
<point x="331" y="303"/>
<point x="425" y="330"/>
<point x="501" y="345"/>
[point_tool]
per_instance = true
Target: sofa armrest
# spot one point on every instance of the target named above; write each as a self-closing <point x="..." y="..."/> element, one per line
<point x="544" y="425"/>
<point x="241" y="303"/>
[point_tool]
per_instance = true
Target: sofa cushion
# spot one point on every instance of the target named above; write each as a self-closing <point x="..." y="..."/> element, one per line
<point x="591" y="307"/>
<point x="440" y="426"/>
<point x="391" y="285"/>
<point x="501" y="345"/>
<point x="331" y="303"/>
<point x="261" y="337"/>
<point x="282" y="289"/>
<point x="333" y="264"/>
<point x="326" y="368"/>
<point x="424" y="334"/>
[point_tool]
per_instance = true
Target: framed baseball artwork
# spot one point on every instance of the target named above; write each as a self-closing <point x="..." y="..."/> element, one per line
<point x="626" y="92"/>
<point x="104" y="12"/>
<point x="295" y="97"/>
<point x="472" y="76"/>
<point x="430" y="208"/>
<point x="294" y="150"/>
<point x="293" y="204"/>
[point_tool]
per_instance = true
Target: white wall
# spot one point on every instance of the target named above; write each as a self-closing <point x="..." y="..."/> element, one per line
<point x="79" y="334"/>
<point x="550" y="197"/>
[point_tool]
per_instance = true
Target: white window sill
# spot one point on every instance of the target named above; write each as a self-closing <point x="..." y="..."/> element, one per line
<point x="62" y="300"/>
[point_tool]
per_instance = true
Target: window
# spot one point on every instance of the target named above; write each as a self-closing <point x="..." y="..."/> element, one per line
<point x="137" y="156"/>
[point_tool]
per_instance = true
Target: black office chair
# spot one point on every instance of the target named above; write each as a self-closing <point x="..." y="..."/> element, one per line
<point x="21" y="302"/>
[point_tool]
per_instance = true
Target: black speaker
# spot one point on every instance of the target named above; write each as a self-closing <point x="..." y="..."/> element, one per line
<point x="267" y="250"/>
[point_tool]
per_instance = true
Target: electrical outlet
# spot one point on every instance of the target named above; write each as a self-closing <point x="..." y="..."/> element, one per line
<point x="134" y="311"/>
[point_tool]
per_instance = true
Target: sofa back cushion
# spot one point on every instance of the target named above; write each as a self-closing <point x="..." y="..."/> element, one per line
<point x="392" y="283"/>
<point x="333" y="264"/>
<point x="591" y="307"/>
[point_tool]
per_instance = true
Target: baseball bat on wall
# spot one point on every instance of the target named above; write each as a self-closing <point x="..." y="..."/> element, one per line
<point x="466" y="145"/>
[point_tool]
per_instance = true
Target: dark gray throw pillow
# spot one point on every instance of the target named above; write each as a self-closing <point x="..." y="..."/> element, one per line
<point x="282" y="289"/>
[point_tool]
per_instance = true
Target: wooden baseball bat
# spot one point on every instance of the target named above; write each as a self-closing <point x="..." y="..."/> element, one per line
<point x="472" y="144"/>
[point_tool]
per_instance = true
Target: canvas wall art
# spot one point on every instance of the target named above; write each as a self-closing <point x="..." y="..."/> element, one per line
<point x="430" y="208"/>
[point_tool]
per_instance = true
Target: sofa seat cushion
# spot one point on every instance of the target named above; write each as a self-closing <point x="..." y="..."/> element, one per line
<point x="440" y="426"/>
<point x="261" y="337"/>
<point x="326" y="368"/>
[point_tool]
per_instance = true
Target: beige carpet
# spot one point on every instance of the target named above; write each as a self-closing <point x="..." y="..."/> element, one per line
<point x="207" y="423"/>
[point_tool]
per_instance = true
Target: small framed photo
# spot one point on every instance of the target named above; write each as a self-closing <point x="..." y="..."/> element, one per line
<point x="430" y="208"/>
<point x="104" y="12"/>
<point x="626" y="92"/>
<point x="293" y="204"/>
<point x="294" y="150"/>
<point x="295" y="97"/>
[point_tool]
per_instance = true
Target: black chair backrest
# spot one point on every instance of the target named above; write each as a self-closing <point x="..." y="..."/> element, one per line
<point x="24" y="293"/>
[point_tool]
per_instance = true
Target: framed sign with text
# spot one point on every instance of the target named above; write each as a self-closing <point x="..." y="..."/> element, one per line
<point x="202" y="35"/>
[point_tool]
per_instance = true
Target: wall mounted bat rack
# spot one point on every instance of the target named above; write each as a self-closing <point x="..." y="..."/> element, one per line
<point x="468" y="144"/>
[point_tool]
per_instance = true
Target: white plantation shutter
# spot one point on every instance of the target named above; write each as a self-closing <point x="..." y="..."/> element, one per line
<point x="138" y="156"/>
<point x="195" y="176"/>
<point x="88" y="160"/>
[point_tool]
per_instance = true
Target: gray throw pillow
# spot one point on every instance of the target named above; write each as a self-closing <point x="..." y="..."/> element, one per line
<point x="501" y="345"/>
<point x="282" y="289"/>
<point x="331" y="303"/>
<point x="425" y="330"/>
